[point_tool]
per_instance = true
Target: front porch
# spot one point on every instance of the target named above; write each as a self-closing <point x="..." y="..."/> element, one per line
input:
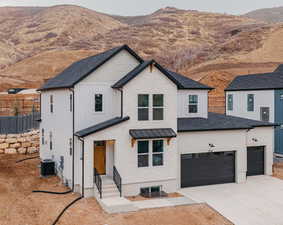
<point x="106" y="178"/>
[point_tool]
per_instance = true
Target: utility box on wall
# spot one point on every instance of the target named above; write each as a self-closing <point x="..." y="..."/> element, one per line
<point x="47" y="168"/>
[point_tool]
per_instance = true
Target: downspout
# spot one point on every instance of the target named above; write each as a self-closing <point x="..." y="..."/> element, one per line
<point x="122" y="100"/>
<point x="83" y="165"/>
<point x="73" y="142"/>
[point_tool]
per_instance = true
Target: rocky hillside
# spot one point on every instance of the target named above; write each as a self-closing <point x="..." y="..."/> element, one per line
<point x="269" y="15"/>
<point x="38" y="43"/>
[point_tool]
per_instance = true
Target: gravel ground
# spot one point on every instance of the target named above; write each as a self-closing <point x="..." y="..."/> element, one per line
<point x="18" y="206"/>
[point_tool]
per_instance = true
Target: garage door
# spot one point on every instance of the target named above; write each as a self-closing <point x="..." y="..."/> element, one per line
<point x="255" y="161"/>
<point x="207" y="168"/>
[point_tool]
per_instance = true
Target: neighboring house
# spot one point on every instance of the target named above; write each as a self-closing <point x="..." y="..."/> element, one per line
<point x="144" y="127"/>
<point x="259" y="97"/>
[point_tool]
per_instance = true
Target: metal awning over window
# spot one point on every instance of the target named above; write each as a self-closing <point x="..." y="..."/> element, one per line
<point x="152" y="134"/>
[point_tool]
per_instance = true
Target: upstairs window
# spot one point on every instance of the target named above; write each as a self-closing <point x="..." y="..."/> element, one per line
<point x="157" y="153"/>
<point x="158" y="107"/>
<point x="51" y="104"/>
<point x="71" y="145"/>
<point x="71" y="102"/>
<point x="98" y="103"/>
<point x="230" y="102"/>
<point x="193" y="103"/>
<point x="143" y="153"/>
<point x="250" y="100"/>
<point x="143" y="107"/>
<point x="50" y="141"/>
<point x="42" y="136"/>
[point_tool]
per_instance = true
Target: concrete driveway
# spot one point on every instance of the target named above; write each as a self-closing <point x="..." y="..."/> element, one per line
<point x="259" y="201"/>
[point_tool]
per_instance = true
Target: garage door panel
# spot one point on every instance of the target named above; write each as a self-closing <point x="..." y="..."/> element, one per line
<point x="207" y="168"/>
<point x="255" y="161"/>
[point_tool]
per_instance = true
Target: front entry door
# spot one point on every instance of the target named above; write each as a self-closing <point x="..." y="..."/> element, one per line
<point x="99" y="157"/>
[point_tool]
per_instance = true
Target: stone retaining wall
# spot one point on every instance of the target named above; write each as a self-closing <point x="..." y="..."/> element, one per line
<point x="26" y="143"/>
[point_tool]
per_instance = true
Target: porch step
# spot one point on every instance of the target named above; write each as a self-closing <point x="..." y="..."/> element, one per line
<point x="109" y="188"/>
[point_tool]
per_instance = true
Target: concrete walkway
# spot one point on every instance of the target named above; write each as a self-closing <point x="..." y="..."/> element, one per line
<point x="259" y="201"/>
<point x="118" y="205"/>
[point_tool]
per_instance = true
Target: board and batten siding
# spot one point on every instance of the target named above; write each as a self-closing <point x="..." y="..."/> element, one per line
<point x="183" y="103"/>
<point x="262" y="98"/>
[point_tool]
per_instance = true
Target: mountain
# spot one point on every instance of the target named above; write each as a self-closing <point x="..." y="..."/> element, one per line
<point x="269" y="15"/>
<point x="38" y="43"/>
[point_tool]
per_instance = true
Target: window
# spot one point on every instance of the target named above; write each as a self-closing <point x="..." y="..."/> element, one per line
<point x="51" y="103"/>
<point x="264" y="114"/>
<point x="193" y="103"/>
<point x="150" y="191"/>
<point x="50" y="141"/>
<point x="71" y="102"/>
<point x="143" y="153"/>
<point x="157" y="153"/>
<point x="42" y="136"/>
<point x="71" y="146"/>
<point x="158" y="107"/>
<point x="230" y="102"/>
<point x="61" y="163"/>
<point x="98" y="103"/>
<point x="143" y="107"/>
<point x="250" y="102"/>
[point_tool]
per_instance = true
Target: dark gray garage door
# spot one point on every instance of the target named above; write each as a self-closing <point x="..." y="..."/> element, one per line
<point x="255" y="161"/>
<point x="207" y="168"/>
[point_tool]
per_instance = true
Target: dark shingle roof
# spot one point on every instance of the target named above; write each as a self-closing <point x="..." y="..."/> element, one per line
<point x="101" y="126"/>
<point x="217" y="121"/>
<point x="279" y="69"/>
<point x="266" y="81"/>
<point x="152" y="133"/>
<point x="182" y="82"/>
<point x="81" y="69"/>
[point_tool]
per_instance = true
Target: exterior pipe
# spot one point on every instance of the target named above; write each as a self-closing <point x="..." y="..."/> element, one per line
<point x="83" y="164"/>
<point x="73" y="141"/>
<point x="122" y="99"/>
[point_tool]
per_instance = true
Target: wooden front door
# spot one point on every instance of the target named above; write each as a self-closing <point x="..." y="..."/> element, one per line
<point x="99" y="157"/>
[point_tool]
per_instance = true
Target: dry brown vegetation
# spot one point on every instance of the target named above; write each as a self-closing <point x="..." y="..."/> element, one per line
<point x="37" y="43"/>
<point x="20" y="206"/>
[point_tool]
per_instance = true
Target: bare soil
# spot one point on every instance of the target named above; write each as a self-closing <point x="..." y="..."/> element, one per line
<point x="18" y="205"/>
<point x="278" y="170"/>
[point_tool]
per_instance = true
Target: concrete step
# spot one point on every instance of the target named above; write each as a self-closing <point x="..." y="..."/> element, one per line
<point x="110" y="194"/>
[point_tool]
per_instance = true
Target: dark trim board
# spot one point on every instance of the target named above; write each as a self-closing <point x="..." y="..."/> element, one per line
<point x="200" y="169"/>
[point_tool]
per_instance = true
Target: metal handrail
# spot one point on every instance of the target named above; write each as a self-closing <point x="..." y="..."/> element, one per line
<point x="117" y="180"/>
<point x="98" y="182"/>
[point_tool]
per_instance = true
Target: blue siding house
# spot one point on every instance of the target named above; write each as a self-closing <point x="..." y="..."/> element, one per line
<point x="266" y="103"/>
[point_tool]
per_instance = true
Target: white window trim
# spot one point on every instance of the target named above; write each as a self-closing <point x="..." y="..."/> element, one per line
<point x="189" y="104"/>
<point x="157" y="107"/>
<point x="151" y="153"/>
<point x="143" y="107"/>
<point x="151" y="107"/>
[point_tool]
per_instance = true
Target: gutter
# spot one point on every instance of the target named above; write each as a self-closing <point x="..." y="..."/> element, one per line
<point x="73" y="142"/>
<point x="83" y="164"/>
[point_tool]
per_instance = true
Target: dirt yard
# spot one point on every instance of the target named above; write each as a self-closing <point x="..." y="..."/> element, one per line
<point x="19" y="206"/>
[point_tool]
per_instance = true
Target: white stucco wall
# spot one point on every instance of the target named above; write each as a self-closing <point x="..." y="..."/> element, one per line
<point x="125" y="156"/>
<point x="100" y="82"/>
<point x="262" y="98"/>
<point x="60" y="124"/>
<point x="183" y="103"/>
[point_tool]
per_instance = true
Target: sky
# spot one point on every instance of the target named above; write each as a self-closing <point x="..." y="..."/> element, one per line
<point x="141" y="7"/>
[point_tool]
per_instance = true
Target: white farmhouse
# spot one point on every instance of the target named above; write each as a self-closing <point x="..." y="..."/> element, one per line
<point x="124" y="126"/>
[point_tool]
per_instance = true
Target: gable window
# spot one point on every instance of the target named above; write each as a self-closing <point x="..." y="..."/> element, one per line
<point x="158" y="106"/>
<point x="193" y="103"/>
<point x="50" y="141"/>
<point x="42" y="136"/>
<point x="51" y="104"/>
<point x="250" y="100"/>
<point x="143" y="107"/>
<point x="71" y="102"/>
<point x="143" y="153"/>
<point x="157" y="153"/>
<point x="230" y="102"/>
<point x="98" y="103"/>
<point x="71" y="146"/>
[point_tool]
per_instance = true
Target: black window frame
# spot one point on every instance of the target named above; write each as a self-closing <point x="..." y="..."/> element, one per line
<point x="42" y="136"/>
<point x="250" y="100"/>
<point x="157" y="107"/>
<point x="98" y="106"/>
<point x="51" y="104"/>
<point x="230" y="102"/>
<point x="71" y="146"/>
<point x="71" y="102"/>
<point x="50" y="141"/>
